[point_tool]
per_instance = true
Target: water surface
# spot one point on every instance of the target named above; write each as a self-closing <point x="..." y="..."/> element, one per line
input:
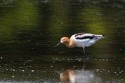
<point x="29" y="29"/>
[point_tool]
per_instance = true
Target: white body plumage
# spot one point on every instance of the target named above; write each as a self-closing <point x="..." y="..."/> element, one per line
<point x="85" y="39"/>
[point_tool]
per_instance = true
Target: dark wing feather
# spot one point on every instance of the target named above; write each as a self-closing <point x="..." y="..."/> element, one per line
<point x="79" y="34"/>
<point x="82" y="36"/>
<point x="85" y="37"/>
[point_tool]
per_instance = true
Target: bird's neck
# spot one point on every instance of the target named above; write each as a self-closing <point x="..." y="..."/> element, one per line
<point x="69" y="43"/>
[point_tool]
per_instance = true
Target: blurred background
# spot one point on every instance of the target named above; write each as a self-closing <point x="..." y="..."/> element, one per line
<point x="30" y="28"/>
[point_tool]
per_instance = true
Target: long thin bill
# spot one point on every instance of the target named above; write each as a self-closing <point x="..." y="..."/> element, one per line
<point x="57" y="44"/>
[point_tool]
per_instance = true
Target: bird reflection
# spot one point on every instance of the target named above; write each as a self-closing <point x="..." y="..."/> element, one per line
<point x="79" y="76"/>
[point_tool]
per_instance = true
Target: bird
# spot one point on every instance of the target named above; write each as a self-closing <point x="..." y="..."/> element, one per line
<point x="80" y="40"/>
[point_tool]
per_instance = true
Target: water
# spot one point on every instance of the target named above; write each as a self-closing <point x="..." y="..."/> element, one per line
<point x="29" y="30"/>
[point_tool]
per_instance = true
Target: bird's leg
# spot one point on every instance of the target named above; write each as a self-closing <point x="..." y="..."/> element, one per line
<point x="84" y="50"/>
<point x="85" y="58"/>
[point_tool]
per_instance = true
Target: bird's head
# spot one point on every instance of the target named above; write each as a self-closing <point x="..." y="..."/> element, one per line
<point x="64" y="40"/>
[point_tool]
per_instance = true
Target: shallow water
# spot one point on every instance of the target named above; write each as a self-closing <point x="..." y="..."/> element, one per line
<point x="29" y="30"/>
<point x="35" y="69"/>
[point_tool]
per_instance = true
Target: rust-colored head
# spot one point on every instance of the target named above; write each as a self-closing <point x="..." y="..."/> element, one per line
<point x="64" y="40"/>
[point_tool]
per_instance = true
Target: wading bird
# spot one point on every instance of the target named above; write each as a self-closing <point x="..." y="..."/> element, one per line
<point x="80" y="40"/>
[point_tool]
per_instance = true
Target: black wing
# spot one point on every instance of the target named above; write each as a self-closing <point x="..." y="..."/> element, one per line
<point x="82" y="36"/>
<point x="85" y="37"/>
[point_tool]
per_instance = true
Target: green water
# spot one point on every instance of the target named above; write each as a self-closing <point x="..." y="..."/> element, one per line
<point x="30" y="28"/>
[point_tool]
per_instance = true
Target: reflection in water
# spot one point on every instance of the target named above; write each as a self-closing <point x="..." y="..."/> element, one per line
<point x="79" y="76"/>
<point x="29" y="28"/>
